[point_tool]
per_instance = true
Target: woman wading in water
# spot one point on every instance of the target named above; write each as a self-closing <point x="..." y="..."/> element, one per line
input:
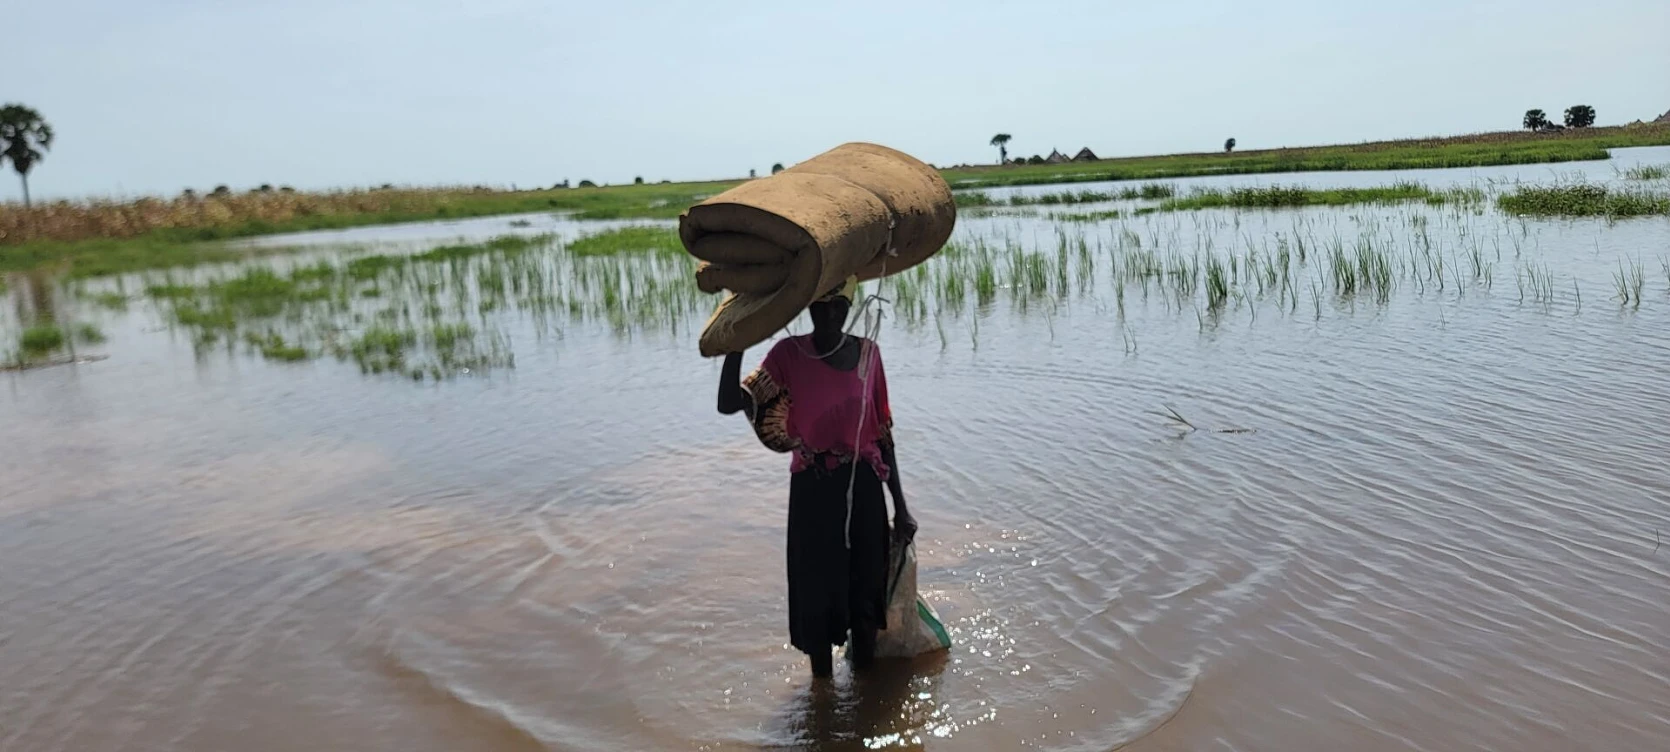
<point x="823" y="398"/>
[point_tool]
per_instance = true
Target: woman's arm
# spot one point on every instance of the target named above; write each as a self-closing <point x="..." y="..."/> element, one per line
<point x="903" y="523"/>
<point x="732" y="397"/>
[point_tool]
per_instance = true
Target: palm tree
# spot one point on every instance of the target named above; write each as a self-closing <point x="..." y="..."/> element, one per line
<point x="1580" y="116"/>
<point x="1001" y="141"/>
<point x="23" y="136"/>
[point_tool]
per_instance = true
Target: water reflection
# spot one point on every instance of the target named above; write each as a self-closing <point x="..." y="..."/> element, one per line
<point x="44" y="327"/>
<point x="895" y="706"/>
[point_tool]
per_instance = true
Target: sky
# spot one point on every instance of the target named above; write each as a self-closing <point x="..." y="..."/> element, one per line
<point x="153" y="97"/>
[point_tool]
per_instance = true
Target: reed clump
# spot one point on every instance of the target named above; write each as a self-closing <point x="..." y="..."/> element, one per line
<point x="1278" y="196"/>
<point x="41" y="339"/>
<point x="638" y="239"/>
<point x="1582" y="200"/>
<point x="1647" y="172"/>
<point x="431" y="314"/>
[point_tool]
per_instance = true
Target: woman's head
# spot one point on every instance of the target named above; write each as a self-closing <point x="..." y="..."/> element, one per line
<point x="829" y="313"/>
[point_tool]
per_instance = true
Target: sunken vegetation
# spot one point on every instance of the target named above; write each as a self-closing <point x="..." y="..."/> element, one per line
<point x="1276" y="197"/>
<point x="1647" y="172"/>
<point x="1261" y="197"/>
<point x="41" y="341"/>
<point x="443" y="312"/>
<point x="431" y="315"/>
<point x="1581" y="200"/>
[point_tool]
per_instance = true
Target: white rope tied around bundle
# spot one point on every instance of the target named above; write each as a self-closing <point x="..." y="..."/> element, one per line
<point x="872" y="331"/>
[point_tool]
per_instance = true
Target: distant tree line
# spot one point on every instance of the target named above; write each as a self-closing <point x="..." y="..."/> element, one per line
<point x="1577" y="116"/>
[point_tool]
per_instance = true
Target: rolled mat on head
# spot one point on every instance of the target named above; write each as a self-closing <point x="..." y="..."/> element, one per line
<point x="777" y="243"/>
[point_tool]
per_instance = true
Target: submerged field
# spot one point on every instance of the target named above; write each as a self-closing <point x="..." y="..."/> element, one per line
<point x="1197" y="462"/>
<point x="444" y="310"/>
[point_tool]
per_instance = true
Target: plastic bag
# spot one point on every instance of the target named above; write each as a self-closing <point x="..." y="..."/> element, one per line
<point x="913" y="627"/>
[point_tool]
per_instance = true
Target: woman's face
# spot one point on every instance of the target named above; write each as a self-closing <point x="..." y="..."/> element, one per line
<point x="830" y="315"/>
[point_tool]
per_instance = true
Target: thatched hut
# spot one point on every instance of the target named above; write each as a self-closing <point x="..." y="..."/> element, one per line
<point x="1085" y="155"/>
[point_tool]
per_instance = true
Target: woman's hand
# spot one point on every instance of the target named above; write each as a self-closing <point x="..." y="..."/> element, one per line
<point x="904" y="525"/>
<point x="733" y="398"/>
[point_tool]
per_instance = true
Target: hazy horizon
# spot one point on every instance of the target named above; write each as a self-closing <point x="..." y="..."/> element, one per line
<point x="315" y="94"/>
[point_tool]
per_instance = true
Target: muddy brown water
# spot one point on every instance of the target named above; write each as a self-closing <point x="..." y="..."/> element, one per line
<point x="1441" y="532"/>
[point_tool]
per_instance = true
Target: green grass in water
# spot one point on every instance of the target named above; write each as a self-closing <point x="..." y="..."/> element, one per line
<point x="1276" y="196"/>
<point x="89" y="334"/>
<point x="1269" y="197"/>
<point x="40" y="339"/>
<point x="1151" y="191"/>
<point x="1647" y="172"/>
<point x="447" y="337"/>
<point x="1096" y="216"/>
<point x="381" y="348"/>
<point x="503" y="244"/>
<point x="110" y="301"/>
<point x="46" y="338"/>
<point x="313" y="304"/>
<point x="195" y="316"/>
<point x="273" y="347"/>
<point x="628" y="240"/>
<point x="981" y="199"/>
<point x="1584" y="201"/>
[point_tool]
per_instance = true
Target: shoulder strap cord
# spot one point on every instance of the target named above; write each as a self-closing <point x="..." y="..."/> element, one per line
<point x="872" y="330"/>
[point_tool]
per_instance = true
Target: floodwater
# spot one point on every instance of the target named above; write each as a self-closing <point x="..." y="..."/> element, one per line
<point x="1428" y="521"/>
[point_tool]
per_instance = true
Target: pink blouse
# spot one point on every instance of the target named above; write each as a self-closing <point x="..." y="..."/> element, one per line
<point x="806" y="406"/>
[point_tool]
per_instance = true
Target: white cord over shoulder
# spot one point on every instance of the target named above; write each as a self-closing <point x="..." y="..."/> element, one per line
<point x="872" y="331"/>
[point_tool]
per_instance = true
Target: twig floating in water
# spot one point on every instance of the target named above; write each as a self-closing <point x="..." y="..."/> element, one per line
<point x="1176" y="418"/>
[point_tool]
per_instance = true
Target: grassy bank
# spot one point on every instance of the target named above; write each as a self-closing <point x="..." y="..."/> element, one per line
<point x="1508" y="148"/>
<point x="103" y="237"/>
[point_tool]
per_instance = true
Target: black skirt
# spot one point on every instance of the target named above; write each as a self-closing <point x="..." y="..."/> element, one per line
<point x="833" y="589"/>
